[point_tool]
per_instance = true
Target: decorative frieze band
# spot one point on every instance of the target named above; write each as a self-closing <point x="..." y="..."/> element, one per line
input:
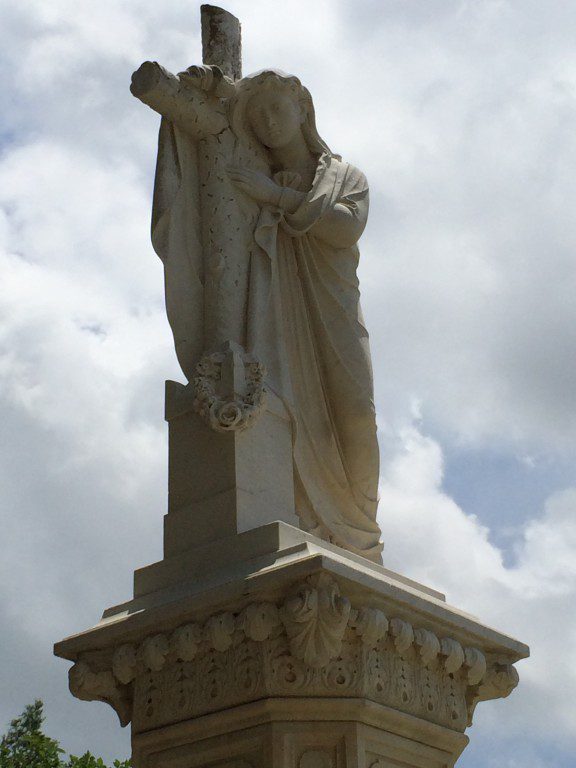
<point x="314" y="628"/>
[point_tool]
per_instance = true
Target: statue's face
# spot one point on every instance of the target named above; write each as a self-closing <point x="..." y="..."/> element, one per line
<point x="275" y="117"/>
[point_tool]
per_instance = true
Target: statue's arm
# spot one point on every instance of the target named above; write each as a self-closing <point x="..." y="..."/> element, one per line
<point x="335" y="211"/>
<point x="338" y="220"/>
<point x="339" y="225"/>
<point x="196" y="112"/>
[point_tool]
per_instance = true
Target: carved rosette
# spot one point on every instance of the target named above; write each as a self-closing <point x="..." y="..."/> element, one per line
<point x="311" y="643"/>
<point x="229" y="388"/>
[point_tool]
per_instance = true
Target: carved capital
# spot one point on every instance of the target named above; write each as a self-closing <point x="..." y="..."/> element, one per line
<point x="311" y="642"/>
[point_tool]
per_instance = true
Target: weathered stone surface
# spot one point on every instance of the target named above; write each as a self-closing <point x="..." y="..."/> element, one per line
<point x="296" y="621"/>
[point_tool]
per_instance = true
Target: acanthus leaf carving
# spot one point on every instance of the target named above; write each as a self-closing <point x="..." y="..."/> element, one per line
<point x="186" y="641"/>
<point x="124" y="663"/>
<point x="475" y="662"/>
<point x="259" y="620"/>
<point x="315" y="619"/>
<point x="453" y="654"/>
<point x="428" y="643"/>
<point x="154" y="651"/>
<point x="311" y="640"/>
<point x="403" y="634"/>
<point x="219" y="631"/>
<point x="371" y="625"/>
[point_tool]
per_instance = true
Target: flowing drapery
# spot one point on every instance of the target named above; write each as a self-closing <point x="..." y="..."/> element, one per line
<point x="303" y="321"/>
<point x="309" y="329"/>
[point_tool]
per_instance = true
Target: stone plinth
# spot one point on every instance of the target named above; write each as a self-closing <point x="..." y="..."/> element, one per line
<point x="301" y="733"/>
<point x="273" y="649"/>
<point x="222" y="483"/>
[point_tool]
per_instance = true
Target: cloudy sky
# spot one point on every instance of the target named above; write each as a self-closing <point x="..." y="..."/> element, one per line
<point x="462" y="113"/>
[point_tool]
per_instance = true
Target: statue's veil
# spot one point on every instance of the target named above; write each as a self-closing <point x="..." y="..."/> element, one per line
<point x="248" y="144"/>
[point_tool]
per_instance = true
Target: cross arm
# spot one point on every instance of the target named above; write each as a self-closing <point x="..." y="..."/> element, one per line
<point x="196" y="112"/>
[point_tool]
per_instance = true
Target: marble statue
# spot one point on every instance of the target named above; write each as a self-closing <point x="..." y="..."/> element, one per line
<point x="252" y="643"/>
<point x="257" y="221"/>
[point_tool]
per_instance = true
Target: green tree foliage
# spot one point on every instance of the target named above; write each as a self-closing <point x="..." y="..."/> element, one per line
<point x="26" y="746"/>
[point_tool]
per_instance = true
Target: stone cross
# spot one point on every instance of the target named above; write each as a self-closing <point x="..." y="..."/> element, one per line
<point x="190" y="102"/>
<point x="219" y="484"/>
<point x="221" y="40"/>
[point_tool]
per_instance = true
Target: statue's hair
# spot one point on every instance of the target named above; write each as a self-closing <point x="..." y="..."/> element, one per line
<point x="274" y="79"/>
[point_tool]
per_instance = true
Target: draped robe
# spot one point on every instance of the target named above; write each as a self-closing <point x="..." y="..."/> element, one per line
<point x="303" y="321"/>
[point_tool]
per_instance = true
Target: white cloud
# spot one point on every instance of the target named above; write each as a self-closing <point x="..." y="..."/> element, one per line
<point x="532" y="600"/>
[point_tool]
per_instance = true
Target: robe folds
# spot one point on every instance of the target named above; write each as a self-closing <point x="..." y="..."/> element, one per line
<point x="302" y="320"/>
<point x="319" y="358"/>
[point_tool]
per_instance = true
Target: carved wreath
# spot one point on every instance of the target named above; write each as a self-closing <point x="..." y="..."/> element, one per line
<point x="234" y="412"/>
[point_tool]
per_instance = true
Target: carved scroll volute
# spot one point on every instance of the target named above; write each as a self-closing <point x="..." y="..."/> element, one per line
<point x="100" y="686"/>
<point x="315" y="619"/>
<point x="498" y="683"/>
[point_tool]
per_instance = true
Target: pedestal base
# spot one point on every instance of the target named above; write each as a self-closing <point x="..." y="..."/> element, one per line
<point x="301" y="733"/>
<point x="275" y="649"/>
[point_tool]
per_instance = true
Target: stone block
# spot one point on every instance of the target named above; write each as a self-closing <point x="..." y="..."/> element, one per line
<point x="223" y="483"/>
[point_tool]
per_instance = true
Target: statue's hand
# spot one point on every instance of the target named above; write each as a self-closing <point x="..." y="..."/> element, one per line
<point x="200" y="76"/>
<point x="208" y="78"/>
<point x="258" y="186"/>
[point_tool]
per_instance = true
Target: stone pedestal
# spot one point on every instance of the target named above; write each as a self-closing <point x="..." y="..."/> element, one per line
<point x="301" y="733"/>
<point x="272" y="649"/>
<point x="223" y="483"/>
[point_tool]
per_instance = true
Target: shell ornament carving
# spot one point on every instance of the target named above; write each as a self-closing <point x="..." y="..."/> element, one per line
<point x="315" y="619"/>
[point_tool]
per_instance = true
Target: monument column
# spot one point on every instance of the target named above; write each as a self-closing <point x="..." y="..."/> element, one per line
<point x="269" y="635"/>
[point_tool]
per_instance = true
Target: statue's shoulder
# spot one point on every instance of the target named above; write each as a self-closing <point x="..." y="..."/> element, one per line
<point x="352" y="177"/>
<point x="350" y="174"/>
